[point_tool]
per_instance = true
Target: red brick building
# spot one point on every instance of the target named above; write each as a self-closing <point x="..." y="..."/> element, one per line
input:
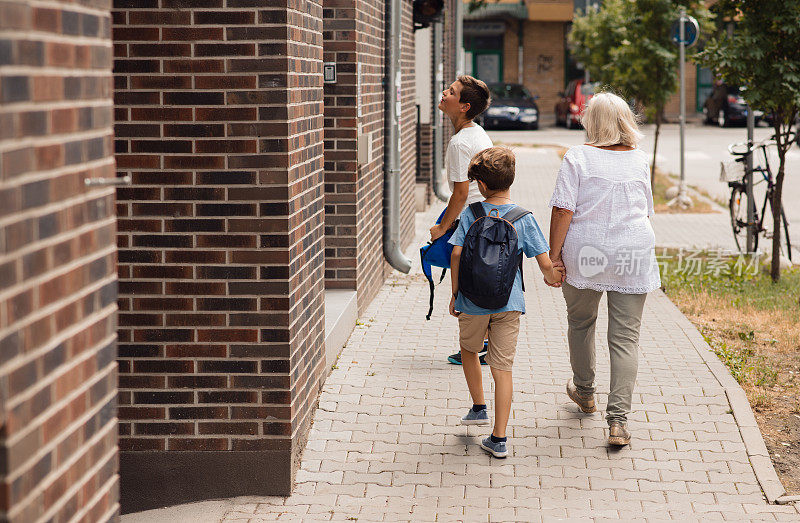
<point x="58" y="375"/>
<point x="258" y="191"/>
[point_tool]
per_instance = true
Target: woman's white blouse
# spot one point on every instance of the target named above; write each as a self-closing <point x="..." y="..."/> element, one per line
<point x="610" y="244"/>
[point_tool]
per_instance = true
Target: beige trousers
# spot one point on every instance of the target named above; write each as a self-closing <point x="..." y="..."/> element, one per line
<point x="624" y="321"/>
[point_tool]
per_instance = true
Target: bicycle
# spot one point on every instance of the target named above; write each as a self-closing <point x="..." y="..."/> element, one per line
<point x="733" y="172"/>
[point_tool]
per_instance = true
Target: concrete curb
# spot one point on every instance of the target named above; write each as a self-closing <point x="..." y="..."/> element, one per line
<point x="202" y="511"/>
<point x="754" y="444"/>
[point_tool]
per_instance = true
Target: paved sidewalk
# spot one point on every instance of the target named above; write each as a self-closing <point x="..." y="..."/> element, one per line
<point x="386" y="444"/>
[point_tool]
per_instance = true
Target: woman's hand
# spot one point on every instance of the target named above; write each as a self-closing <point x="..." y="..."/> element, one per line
<point x="453" y="311"/>
<point x="560" y="271"/>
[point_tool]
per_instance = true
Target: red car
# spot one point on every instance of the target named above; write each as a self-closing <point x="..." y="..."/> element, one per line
<point x="573" y="102"/>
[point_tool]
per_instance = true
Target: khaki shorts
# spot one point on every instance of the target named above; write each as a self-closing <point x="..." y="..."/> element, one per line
<point x="503" y="333"/>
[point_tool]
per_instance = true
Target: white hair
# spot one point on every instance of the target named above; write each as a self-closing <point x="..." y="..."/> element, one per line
<point x="609" y="120"/>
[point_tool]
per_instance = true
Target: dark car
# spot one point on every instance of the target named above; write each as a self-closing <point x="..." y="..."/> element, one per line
<point x="574" y="98"/>
<point x="513" y="107"/>
<point x="725" y="107"/>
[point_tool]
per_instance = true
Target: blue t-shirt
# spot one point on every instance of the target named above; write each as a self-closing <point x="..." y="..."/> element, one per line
<point x="531" y="242"/>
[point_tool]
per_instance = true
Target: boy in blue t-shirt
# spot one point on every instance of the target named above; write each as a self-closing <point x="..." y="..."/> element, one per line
<point x="493" y="169"/>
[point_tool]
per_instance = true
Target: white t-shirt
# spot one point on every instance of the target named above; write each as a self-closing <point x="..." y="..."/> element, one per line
<point x="610" y="243"/>
<point x="465" y="144"/>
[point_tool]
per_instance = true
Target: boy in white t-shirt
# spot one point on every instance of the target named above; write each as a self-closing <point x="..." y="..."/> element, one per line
<point x="462" y="101"/>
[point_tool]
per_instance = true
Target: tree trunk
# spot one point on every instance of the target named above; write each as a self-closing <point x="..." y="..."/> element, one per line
<point x="655" y="148"/>
<point x="776" y="203"/>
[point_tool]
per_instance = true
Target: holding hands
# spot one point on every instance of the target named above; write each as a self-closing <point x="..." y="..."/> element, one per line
<point x="559" y="273"/>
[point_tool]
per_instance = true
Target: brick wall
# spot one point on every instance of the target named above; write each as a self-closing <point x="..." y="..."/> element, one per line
<point x="341" y="131"/>
<point x="425" y="157"/>
<point x="354" y="32"/>
<point x="58" y="442"/>
<point x="511" y="51"/>
<point x="449" y="71"/>
<point x="672" y="110"/>
<point x="219" y="122"/>
<point x="408" y="125"/>
<point x="543" y="58"/>
<point x="370" y="46"/>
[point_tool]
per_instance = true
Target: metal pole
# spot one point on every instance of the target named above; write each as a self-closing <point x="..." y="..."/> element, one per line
<point x="682" y="34"/>
<point x="751" y="123"/>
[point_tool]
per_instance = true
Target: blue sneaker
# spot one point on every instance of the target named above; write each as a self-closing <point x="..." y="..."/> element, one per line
<point x="476" y="418"/>
<point x="455" y="359"/>
<point x="498" y="450"/>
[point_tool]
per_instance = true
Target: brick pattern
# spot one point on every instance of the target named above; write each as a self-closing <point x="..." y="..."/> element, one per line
<point x="408" y="125"/>
<point x="543" y="62"/>
<point x="340" y="45"/>
<point x="449" y="69"/>
<point x="354" y="33"/>
<point x="672" y="110"/>
<point x="219" y="122"/>
<point x="58" y="375"/>
<point x="425" y="156"/>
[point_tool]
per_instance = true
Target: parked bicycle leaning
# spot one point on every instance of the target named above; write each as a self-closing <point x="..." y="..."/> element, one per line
<point x="734" y="173"/>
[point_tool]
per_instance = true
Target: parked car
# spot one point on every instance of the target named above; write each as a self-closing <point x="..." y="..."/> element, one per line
<point x="513" y="106"/>
<point x="725" y="107"/>
<point x="573" y="102"/>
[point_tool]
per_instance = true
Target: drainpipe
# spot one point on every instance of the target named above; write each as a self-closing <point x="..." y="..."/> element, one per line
<point x="436" y="114"/>
<point x="391" y="190"/>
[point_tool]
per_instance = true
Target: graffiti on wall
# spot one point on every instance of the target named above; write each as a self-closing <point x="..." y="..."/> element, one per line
<point x="544" y="63"/>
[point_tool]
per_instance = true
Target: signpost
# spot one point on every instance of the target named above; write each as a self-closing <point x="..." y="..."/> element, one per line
<point x="684" y="33"/>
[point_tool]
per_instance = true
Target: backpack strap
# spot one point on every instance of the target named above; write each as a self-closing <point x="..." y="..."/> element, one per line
<point x="515" y="214"/>
<point x="432" y="288"/>
<point x="477" y="210"/>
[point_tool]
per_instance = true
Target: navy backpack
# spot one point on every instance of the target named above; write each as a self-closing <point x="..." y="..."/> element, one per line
<point x="490" y="257"/>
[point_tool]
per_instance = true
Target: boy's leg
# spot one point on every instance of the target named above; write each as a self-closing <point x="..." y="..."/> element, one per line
<point x="624" y="322"/>
<point x="503" y="392"/>
<point x="581" y="317"/>
<point x="471" y="329"/>
<point x="503" y="334"/>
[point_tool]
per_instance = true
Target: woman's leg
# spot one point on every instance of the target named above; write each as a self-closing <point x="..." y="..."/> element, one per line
<point x="624" y="322"/>
<point x="581" y="317"/>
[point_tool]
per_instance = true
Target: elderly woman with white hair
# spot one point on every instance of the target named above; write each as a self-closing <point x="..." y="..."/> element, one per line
<point x="601" y="233"/>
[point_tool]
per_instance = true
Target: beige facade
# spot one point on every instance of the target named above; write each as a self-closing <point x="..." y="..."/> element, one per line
<point x="526" y="44"/>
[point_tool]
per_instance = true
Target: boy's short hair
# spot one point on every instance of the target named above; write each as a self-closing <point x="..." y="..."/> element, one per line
<point x="494" y="166"/>
<point x="476" y="93"/>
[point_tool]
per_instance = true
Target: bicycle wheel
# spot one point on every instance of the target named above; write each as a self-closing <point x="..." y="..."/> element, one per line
<point x="738" y="210"/>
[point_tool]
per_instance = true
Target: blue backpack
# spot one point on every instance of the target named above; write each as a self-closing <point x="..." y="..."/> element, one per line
<point x="490" y="257"/>
<point x="437" y="254"/>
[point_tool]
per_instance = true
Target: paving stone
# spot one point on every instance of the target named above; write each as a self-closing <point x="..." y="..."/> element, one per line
<point x="389" y="446"/>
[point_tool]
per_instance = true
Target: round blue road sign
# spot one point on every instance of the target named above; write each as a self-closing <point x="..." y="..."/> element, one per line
<point x="690" y="31"/>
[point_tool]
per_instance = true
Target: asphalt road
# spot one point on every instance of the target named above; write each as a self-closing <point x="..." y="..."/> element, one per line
<point x="706" y="147"/>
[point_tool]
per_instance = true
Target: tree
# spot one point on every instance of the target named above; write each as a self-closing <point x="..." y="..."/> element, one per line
<point x="763" y="55"/>
<point x="627" y="44"/>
